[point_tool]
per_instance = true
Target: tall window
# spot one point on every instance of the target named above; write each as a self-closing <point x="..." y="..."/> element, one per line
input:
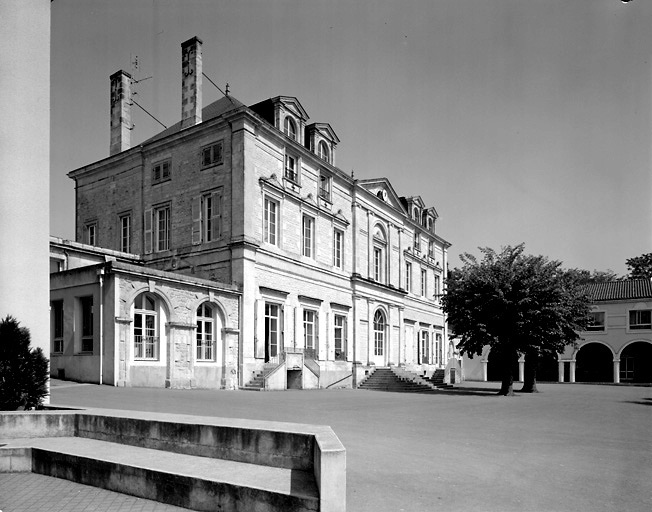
<point x="378" y="264"/>
<point x="270" y="227"/>
<point x="125" y="233"/>
<point x="417" y="242"/>
<point x="438" y="348"/>
<point x="212" y="155"/>
<point x="338" y="242"/>
<point x="205" y="333"/>
<point x="272" y="330"/>
<point x="86" y="323"/>
<point x="146" y="337"/>
<point x="310" y="332"/>
<point x="379" y="255"/>
<point x="408" y="276"/>
<point x="308" y="238"/>
<point x="640" y="319"/>
<point x="162" y="231"/>
<point x="324" y="154"/>
<point x="379" y="333"/>
<point x="57" y="327"/>
<point x="424" y="353"/>
<point x="325" y="187"/>
<point x="431" y="249"/>
<point x="437" y="290"/>
<point x="424" y="283"/>
<point x="291" y="168"/>
<point x="340" y="338"/>
<point x="161" y="171"/>
<point x="290" y="128"/>
<point x="91" y="233"/>
<point x="211" y="216"/>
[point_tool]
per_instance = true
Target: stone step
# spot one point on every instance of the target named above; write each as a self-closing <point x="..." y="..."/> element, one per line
<point x="198" y="483"/>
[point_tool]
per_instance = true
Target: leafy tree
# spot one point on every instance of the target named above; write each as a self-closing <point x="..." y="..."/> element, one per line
<point x="640" y="267"/>
<point x="517" y="304"/>
<point x="23" y="372"/>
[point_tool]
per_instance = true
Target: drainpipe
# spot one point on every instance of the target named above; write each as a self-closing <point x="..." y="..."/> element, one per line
<point x="100" y="274"/>
<point x="240" y="343"/>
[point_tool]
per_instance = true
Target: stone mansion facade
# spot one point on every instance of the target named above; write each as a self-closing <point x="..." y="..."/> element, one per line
<point x="327" y="275"/>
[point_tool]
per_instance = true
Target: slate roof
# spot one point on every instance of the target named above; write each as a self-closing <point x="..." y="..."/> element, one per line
<point x="215" y="109"/>
<point x="621" y="290"/>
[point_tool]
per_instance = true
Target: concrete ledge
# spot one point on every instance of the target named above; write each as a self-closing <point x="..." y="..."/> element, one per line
<point x="308" y="453"/>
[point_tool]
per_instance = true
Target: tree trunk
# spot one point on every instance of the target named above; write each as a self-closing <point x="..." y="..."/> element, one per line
<point x="507" y="386"/>
<point x="530" y="378"/>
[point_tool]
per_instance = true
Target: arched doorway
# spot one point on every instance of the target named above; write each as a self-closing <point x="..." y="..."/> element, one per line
<point x="547" y="368"/>
<point x="594" y="363"/>
<point x="636" y="362"/>
<point x="378" y="349"/>
<point x="495" y="363"/>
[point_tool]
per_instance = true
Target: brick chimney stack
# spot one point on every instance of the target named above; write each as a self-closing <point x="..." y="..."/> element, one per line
<point x="120" y="112"/>
<point x="191" y="82"/>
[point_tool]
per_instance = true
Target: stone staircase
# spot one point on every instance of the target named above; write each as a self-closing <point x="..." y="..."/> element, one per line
<point x="257" y="383"/>
<point x="397" y="380"/>
<point x="437" y="379"/>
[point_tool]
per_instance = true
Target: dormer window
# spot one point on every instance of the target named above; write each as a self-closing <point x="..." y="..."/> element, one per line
<point x="415" y="213"/>
<point x="290" y="128"/>
<point x="323" y="152"/>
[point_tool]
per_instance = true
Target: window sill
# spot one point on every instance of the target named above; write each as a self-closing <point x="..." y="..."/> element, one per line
<point x="210" y="166"/>
<point x="158" y="182"/>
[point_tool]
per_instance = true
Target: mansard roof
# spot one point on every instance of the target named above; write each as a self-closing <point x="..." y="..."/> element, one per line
<point x="633" y="289"/>
<point x="211" y="111"/>
<point x="265" y="108"/>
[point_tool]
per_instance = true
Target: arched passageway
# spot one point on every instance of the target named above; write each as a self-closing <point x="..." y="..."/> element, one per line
<point x="495" y="366"/>
<point x="594" y="363"/>
<point x="547" y="369"/>
<point x="636" y="362"/>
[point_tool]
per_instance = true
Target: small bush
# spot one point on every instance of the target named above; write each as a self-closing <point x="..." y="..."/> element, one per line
<point x="23" y="372"/>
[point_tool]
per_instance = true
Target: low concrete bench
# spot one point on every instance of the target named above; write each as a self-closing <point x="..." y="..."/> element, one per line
<point x="195" y="462"/>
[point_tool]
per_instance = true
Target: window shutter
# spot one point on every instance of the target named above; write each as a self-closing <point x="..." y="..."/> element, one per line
<point x="148" y="221"/>
<point x="281" y="340"/>
<point x="196" y="220"/>
<point x="345" y="339"/>
<point x="317" y="346"/>
<point x="216" y="224"/>
<point x="259" y="331"/>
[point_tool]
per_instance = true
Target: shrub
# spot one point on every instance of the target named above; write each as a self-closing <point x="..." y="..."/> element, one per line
<point x="23" y="372"/>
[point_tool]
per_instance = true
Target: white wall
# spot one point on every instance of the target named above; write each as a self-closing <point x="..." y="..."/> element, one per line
<point x="25" y="165"/>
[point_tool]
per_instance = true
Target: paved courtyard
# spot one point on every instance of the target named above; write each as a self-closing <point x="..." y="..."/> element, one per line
<point x="570" y="447"/>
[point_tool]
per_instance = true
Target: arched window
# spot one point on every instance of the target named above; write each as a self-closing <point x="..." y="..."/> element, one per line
<point x="205" y="332"/>
<point x="290" y="128"/>
<point x="380" y="255"/>
<point x="379" y="333"/>
<point x="324" y="154"/>
<point x="146" y="326"/>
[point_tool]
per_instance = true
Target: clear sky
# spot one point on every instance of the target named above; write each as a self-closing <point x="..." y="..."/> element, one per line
<point x="518" y="120"/>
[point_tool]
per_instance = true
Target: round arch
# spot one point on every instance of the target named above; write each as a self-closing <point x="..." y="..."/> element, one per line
<point x="636" y="362"/>
<point x="219" y="308"/>
<point x="594" y="362"/>
<point x="165" y="301"/>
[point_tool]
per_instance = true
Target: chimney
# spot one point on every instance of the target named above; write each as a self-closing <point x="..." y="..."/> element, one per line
<point x="120" y="112"/>
<point x="191" y="82"/>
